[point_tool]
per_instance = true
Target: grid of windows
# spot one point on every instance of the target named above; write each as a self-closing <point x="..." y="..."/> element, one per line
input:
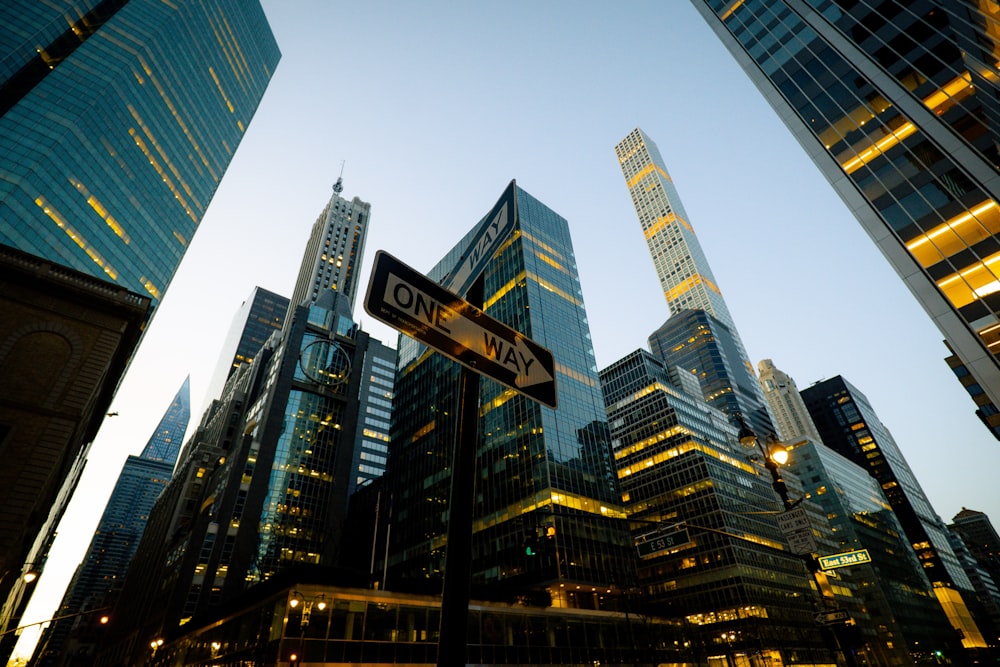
<point x="542" y="474"/>
<point x="677" y="465"/>
<point x="897" y="103"/>
<point x="117" y="189"/>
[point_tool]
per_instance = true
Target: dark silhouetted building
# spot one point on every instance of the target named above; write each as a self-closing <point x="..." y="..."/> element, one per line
<point x="849" y="425"/>
<point x="259" y="316"/>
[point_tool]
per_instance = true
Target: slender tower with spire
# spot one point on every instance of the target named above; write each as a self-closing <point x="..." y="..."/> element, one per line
<point x="332" y="257"/>
<point x="117" y="536"/>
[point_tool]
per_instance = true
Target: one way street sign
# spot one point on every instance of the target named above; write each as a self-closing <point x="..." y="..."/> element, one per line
<point x="408" y="301"/>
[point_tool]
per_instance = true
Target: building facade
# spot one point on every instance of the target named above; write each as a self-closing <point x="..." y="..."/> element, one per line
<point x="896" y="104"/>
<point x="902" y="623"/>
<point x="116" y="190"/>
<point x="981" y="537"/>
<point x="371" y="449"/>
<point x="849" y="425"/>
<point x="791" y="418"/>
<point x="731" y="578"/>
<point x="700" y="335"/>
<point x="142" y="479"/>
<point x="333" y="253"/>
<point x="547" y="517"/>
<point x="117" y="121"/>
<point x="65" y="341"/>
<point x="258" y="317"/>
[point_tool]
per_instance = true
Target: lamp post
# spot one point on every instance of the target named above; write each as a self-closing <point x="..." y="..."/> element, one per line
<point x="775" y="454"/>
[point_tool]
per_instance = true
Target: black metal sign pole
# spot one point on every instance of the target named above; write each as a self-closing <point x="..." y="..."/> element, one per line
<point x="453" y="639"/>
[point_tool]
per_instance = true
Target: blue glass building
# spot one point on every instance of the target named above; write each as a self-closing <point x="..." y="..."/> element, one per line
<point x="117" y="122"/>
<point x="547" y="518"/>
<point x="116" y="539"/>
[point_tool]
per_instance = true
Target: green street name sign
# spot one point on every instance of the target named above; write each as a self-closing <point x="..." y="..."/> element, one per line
<point x="662" y="543"/>
<point x="845" y="559"/>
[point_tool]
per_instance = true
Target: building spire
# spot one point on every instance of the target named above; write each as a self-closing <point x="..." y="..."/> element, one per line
<point x="338" y="187"/>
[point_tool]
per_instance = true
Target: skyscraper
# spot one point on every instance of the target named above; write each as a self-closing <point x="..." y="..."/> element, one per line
<point x="791" y="418"/>
<point x="905" y="623"/>
<point x="371" y="441"/>
<point x="332" y="258"/>
<point x="263" y="486"/>
<point x="734" y="580"/>
<point x="258" y="317"/>
<point x="700" y="335"/>
<point x="896" y="104"/>
<point x="849" y="425"/>
<point x="116" y="189"/>
<point x="980" y="537"/>
<point x="116" y="539"/>
<point x="685" y="275"/>
<point x="547" y="518"/>
<point x="118" y="119"/>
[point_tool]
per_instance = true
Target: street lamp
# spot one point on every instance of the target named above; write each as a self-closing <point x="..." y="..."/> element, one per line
<point x="774" y="454"/>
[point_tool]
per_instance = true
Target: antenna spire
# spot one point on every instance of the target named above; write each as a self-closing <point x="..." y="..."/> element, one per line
<point x="338" y="187"/>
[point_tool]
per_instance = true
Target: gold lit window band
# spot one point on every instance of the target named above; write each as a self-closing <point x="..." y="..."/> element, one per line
<point x="689" y="284"/>
<point x="75" y="235"/>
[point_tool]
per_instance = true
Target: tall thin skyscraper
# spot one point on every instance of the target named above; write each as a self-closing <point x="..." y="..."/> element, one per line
<point x="547" y="518"/>
<point x="116" y="539"/>
<point x="849" y="425"/>
<point x="685" y="276"/>
<point x="896" y="103"/>
<point x="791" y="418"/>
<point x="118" y="119"/>
<point x="700" y="335"/>
<point x="332" y="258"/>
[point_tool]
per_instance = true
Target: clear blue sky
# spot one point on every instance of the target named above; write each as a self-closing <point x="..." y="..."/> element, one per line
<point x="435" y="106"/>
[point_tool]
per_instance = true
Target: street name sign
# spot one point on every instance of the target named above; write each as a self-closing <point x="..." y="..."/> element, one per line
<point x="794" y="525"/>
<point x="845" y="559"/>
<point x="493" y="232"/>
<point x="655" y="546"/>
<point x="412" y="303"/>
<point x="832" y="616"/>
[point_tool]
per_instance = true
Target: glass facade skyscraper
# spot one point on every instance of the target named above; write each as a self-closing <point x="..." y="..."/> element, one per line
<point x="118" y="119"/>
<point x="259" y="316"/>
<point x="896" y="103"/>
<point x="735" y="583"/>
<point x="849" y="425"/>
<point x="116" y="539"/>
<point x="544" y="478"/>
<point x="371" y="442"/>
<point x="903" y="621"/>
